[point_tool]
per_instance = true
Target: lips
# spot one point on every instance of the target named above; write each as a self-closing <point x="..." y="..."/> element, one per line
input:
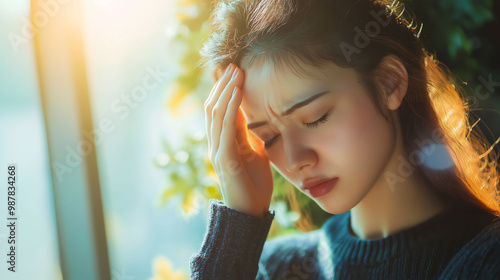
<point x="313" y="182"/>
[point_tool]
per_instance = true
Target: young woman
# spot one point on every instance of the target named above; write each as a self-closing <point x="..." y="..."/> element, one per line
<point x="342" y="100"/>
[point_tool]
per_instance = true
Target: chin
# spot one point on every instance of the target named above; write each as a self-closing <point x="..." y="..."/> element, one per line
<point x="331" y="206"/>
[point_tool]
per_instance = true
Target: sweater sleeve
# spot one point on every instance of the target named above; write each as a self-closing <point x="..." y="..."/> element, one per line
<point x="232" y="244"/>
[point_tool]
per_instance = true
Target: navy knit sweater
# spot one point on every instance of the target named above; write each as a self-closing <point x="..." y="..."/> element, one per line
<point x="459" y="243"/>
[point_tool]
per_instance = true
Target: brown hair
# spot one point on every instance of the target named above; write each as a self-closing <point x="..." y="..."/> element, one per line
<point x="358" y="34"/>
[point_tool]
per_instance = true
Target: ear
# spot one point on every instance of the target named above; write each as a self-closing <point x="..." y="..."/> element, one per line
<point x="393" y="79"/>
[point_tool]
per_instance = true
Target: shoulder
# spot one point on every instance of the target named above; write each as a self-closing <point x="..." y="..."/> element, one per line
<point x="281" y="253"/>
<point x="480" y="257"/>
<point x="484" y="259"/>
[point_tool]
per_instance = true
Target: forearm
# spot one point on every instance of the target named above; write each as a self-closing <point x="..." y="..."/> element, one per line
<point x="232" y="245"/>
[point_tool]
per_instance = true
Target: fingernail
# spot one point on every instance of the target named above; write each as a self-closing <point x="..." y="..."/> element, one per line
<point x="228" y="68"/>
<point x="235" y="73"/>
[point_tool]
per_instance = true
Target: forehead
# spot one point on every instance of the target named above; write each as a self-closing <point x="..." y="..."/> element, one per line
<point x="269" y="87"/>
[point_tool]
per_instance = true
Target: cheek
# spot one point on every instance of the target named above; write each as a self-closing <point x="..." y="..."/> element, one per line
<point x="364" y="139"/>
<point x="355" y="142"/>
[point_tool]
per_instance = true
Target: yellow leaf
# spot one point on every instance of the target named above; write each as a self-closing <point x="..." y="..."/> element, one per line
<point x="187" y="2"/>
<point x="212" y="191"/>
<point x="182" y="17"/>
<point x="168" y="193"/>
<point x="176" y="99"/>
<point x="189" y="204"/>
<point x="162" y="268"/>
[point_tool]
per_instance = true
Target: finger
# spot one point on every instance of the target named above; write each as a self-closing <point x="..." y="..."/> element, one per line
<point x="228" y="133"/>
<point x="208" y="109"/>
<point x="209" y="102"/>
<point x="208" y="114"/>
<point x="219" y="86"/>
<point x="256" y="143"/>
<point x="219" y="111"/>
<point x="243" y="135"/>
<point x="241" y="127"/>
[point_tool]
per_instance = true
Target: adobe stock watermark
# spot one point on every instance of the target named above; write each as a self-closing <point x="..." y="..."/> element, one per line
<point x="122" y="106"/>
<point x="121" y="274"/>
<point x="309" y="263"/>
<point x="46" y="10"/>
<point x="307" y="267"/>
<point x="430" y="152"/>
<point x="233" y="168"/>
<point x="363" y="37"/>
<point x="484" y="90"/>
<point x="311" y="266"/>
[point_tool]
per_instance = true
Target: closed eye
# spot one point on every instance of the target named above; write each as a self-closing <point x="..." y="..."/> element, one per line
<point x="323" y="119"/>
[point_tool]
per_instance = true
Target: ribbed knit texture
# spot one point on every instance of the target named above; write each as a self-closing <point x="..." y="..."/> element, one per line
<point x="233" y="244"/>
<point x="460" y="243"/>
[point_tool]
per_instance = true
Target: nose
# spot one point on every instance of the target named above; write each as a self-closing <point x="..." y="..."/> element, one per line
<point x="298" y="155"/>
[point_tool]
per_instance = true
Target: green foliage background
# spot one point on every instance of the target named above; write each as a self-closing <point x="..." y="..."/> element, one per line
<point x="464" y="35"/>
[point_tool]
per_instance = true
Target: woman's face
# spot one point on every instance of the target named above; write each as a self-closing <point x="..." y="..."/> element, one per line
<point x="354" y="142"/>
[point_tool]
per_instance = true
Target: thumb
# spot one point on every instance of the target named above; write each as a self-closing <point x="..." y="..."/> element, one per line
<point x="243" y="135"/>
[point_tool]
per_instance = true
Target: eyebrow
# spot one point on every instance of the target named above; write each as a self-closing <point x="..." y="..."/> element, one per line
<point x="291" y="109"/>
